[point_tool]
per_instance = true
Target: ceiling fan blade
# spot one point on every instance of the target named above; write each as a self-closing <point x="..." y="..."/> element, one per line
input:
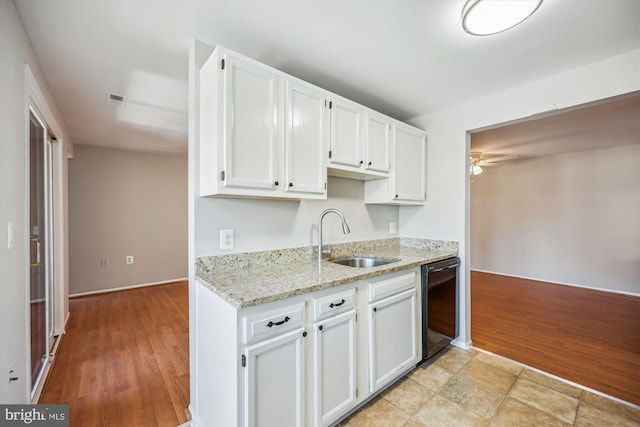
<point x="500" y="158"/>
<point x="485" y="164"/>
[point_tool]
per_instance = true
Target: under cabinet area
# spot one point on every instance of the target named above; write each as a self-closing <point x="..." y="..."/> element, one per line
<point x="305" y="360"/>
<point x="266" y="134"/>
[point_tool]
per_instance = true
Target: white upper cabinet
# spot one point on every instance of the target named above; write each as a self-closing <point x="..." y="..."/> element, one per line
<point x="378" y="142"/>
<point x="407" y="180"/>
<point x="410" y="157"/>
<point x="261" y="134"/>
<point x="250" y="125"/>
<point x="306" y="139"/>
<point x="360" y="141"/>
<point x="347" y="133"/>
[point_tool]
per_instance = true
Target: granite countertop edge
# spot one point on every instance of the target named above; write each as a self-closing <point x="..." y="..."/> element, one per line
<point x="262" y="283"/>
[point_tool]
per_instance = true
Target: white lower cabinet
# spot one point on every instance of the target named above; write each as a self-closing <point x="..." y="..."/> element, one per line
<point x="274" y="382"/>
<point x="392" y="337"/>
<point x="394" y="334"/>
<point x="306" y="360"/>
<point x="334" y="367"/>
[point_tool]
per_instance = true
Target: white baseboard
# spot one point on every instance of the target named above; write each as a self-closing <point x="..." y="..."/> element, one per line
<point x="461" y="344"/>
<point x="193" y="421"/>
<point x="123" y="288"/>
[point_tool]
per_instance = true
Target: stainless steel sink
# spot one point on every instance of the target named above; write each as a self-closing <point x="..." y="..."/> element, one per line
<point x="363" y="262"/>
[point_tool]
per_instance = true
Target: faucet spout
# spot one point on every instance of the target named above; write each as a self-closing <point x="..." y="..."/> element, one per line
<point x="345" y="230"/>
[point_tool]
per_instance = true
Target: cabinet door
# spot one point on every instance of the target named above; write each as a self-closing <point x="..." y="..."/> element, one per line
<point x="274" y="382"/>
<point x="393" y="337"/>
<point x="306" y="139"/>
<point x="377" y="142"/>
<point x="250" y="134"/>
<point x="410" y="150"/>
<point x="346" y="134"/>
<point x="334" y="367"/>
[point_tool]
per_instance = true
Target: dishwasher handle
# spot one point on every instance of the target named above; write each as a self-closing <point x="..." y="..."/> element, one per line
<point x="443" y="265"/>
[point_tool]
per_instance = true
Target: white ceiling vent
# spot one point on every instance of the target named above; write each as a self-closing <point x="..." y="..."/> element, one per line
<point x="115" y="99"/>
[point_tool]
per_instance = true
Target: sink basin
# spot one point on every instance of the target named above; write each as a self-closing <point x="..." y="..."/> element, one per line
<point x="363" y="262"/>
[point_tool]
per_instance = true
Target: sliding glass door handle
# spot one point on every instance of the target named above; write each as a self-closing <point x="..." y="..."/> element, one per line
<point x="36" y="240"/>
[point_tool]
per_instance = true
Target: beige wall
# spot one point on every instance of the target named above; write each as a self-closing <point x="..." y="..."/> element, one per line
<point x="446" y="214"/>
<point x="569" y="218"/>
<point x="126" y="203"/>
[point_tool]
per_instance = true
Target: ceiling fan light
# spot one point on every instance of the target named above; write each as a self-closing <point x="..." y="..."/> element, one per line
<point x="486" y="17"/>
<point x="476" y="170"/>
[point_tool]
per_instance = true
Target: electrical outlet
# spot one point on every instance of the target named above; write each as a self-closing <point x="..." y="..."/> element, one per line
<point x="129" y="259"/>
<point x="226" y="239"/>
<point x="104" y="262"/>
<point x="393" y="228"/>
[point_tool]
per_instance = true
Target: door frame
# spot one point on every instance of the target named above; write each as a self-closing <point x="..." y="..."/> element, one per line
<point x="35" y="101"/>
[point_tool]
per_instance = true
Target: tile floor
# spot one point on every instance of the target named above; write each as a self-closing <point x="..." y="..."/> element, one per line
<point x="462" y="388"/>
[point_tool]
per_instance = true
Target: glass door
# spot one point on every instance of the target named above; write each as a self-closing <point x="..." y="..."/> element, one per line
<point x="40" y="239"/>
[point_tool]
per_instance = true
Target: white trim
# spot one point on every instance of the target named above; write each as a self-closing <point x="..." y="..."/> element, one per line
<point x="634" y="294"/>
<point x="36" y="103"/>
<point x="66" y="322"/>
<point x="193" y="421"/>
<point x="43" y="378"/>
<point x="465" y="345"/>
<point x="123" y="288"/>
<point x="37" y="99"/>
<point x="580" y="386"/>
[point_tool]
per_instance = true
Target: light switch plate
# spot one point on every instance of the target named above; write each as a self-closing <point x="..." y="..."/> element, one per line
<point x="393" y="228"/>
<point x="226" y="239"/>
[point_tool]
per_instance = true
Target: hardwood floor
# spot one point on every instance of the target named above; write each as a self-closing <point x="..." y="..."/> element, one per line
<point x="586" y="336"/>
<point x="124" y="360"/>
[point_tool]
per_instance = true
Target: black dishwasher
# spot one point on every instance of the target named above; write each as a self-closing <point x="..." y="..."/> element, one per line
<point x="439" y="305"/>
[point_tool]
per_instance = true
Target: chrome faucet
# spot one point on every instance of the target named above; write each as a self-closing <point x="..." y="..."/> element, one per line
<point x="345" y="230"/>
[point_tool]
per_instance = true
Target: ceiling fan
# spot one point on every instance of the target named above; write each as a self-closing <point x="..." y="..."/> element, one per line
<point x="478" y="162"/>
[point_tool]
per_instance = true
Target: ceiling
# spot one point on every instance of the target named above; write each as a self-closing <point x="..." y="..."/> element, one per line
<point x="609" y="123"/>
<point x="402" y="58"/>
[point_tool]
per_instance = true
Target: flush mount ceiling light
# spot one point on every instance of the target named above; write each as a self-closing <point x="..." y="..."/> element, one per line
<point x="486" y="17"/>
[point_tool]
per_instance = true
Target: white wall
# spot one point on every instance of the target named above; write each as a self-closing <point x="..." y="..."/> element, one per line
<point x="273" y="224"/>
<point x="570" y="218"/>
<point x="126" y="203"/>
<point x="445" y="215"/>
<point x="16" y="51"/>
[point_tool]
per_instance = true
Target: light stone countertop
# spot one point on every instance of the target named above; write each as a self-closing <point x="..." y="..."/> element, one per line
<point x="245" y="280"/>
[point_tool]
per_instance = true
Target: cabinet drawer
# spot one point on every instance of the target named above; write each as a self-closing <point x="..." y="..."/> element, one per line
<point x="266" y="324"/>
<point x="333" y="304"/>
<point x="391" y="286"/>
